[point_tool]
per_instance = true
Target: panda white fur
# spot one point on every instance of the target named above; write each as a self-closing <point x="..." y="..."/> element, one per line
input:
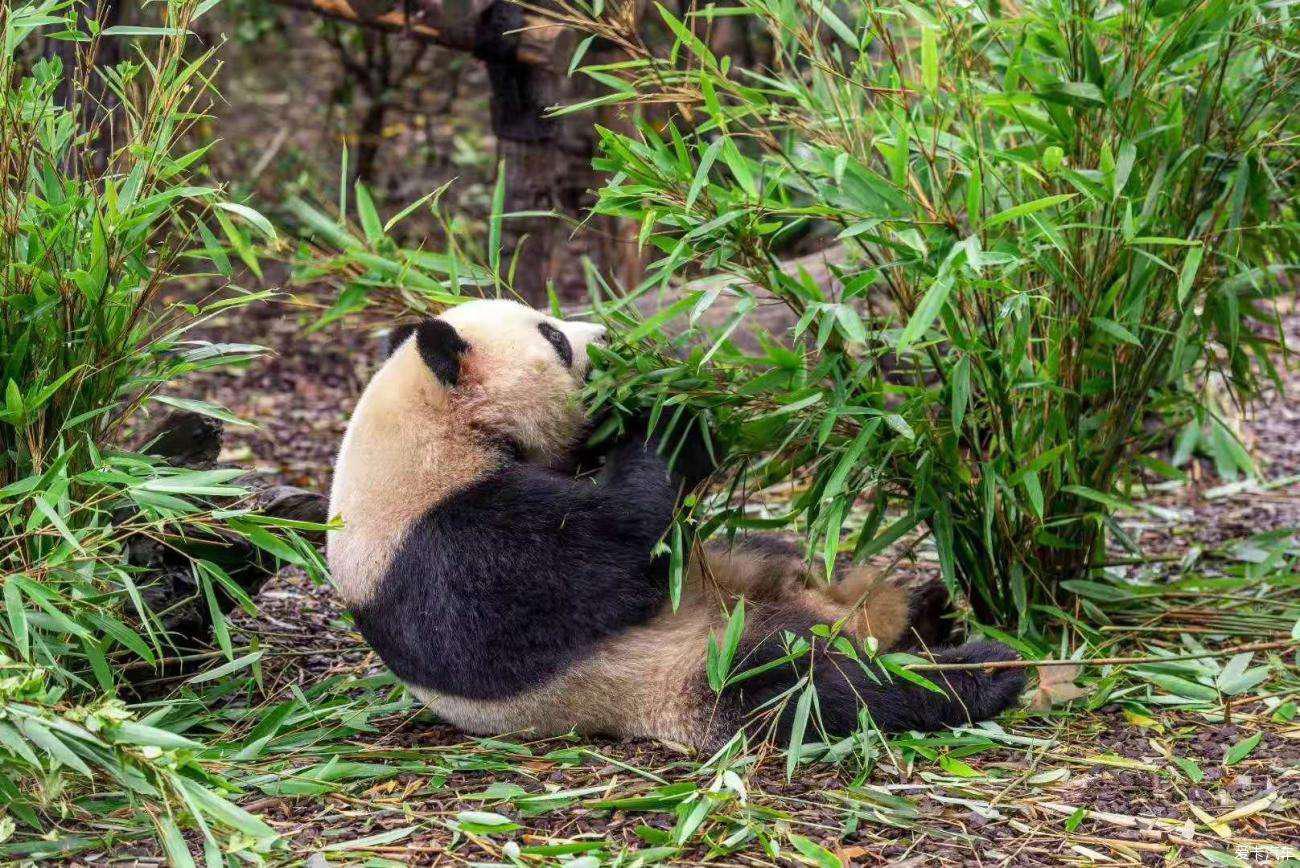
<point x="510" y="595"/>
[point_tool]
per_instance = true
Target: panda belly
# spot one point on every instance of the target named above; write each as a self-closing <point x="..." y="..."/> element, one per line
<point x="647" y="682"/>
<point x="533" y="712"/>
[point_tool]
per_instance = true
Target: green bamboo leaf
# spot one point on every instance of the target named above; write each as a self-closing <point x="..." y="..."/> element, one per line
<point x="835" y="23"/>
<point x="815" y="853"/>
<point x="178" y="851"/>
<point x="1189" y="768"/>
<point x="975" y="194"/>
<point x="579" y="53"/>
<point x="141" y="30"/>
<point x="692" y="820"/>
<point x="16" y="612"/>
<point x="1026" y="208"/>
<point x="431" y="198"/>
<point x="1095" y="496"/>
<point x="702" y="173"/>
<point x="392" y="836"/>
<point x="130" y="732"/>
<point x="899" y="425"/>
<point x="669" y="313"/>
<point x="1034" y="491"/>
<point x="224" y="811"/>
<point x="254" y="218"/>
<point x="495" y="218"/>
<point x="53" y="746"/>
<point x="1179" y="686"/>
<point x="1242" y="749"/>
<point x="954" y="766"/>
<point x="485" y="823"/>
<point x="227" y="668"/>
<point x="739" y="166"/>
<point x="1187" y="276"/>
<point x="891" y="535"/>
<point x="371" y="225"/>
<point x="687" y="38"/>
<point x="17" y="744"/>
<point x="798" y="724"/>
<point x="1053" y="157"/>
<point x="1115" y="330"/>
<point x="52" y="515"/>
<point x="929" y="61"/>
<point x="960" y="398"/>
<point x="1078" y="93"/>
<point x="926" y="312"/>
<point x="676" y="566"/>
<point x="272" y="544"/>
<point x="203" y="408"/>
<point x="850" y="322"/>
<point x="896" y="664"/>
<point x="723" y="653"/>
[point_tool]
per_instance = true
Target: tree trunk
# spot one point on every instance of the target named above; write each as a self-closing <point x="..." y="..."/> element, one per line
<point x="547" y="161"/>
<point x="530" y="245"/>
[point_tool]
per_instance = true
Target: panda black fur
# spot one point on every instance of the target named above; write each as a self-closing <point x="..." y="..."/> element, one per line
<point x="512" y="596"/>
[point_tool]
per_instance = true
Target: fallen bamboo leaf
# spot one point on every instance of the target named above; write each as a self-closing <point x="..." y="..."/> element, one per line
<point x="1212" y="823"/>
<point x="1056" y="686"/>
<point x="1263" y="803"/>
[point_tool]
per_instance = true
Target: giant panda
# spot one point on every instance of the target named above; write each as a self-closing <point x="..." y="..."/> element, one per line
<point x="512" y="596"/>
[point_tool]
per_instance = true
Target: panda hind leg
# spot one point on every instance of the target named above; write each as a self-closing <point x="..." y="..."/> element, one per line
<point x="766" y="568"/>
<point x="899" y="616"/>
<point x="932" y="617"/>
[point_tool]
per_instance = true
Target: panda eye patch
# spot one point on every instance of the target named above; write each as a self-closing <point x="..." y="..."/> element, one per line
<point x="562" y="347"/>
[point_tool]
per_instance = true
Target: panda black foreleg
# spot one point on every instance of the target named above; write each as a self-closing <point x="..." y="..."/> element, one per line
<point x="509" y="581"/>
<point x="512" y="579"/>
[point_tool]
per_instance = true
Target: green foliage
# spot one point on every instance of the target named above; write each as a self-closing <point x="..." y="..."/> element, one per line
<point x="1060" y="223"/>
<point x="101" y="212"/>
<point x="377" y="275"/>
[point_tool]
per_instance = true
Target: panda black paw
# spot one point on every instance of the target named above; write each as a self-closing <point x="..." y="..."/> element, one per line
<point x="985" y="693"/>
<point x="929" y="616"/>
<point x="693" y="456"/>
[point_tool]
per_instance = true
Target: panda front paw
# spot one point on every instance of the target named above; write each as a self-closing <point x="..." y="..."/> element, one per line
<point x="687" y="452"/>
<point x="689" y="449"/>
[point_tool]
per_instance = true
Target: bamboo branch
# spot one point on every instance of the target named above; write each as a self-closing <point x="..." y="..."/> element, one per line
<point x="1102" y="661"/>
<point x="422" y="19"/>
<point x="462" y="25"/>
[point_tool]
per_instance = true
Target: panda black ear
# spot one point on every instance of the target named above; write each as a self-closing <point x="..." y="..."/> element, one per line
<point x="441" y="348"/>
<point x="396" y="336"/>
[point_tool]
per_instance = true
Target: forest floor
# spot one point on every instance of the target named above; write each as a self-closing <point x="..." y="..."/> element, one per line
<point x="1164" y="762"/>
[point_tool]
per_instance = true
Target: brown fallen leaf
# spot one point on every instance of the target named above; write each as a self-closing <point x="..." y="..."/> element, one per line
<point x="1055" y="686"/>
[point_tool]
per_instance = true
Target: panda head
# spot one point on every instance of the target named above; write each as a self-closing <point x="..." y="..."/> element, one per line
<point x="501" y="370"/>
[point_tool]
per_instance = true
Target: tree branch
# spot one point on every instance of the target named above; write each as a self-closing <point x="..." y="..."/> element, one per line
<point x="462" y="25"/>
<point x="427" y="19"/>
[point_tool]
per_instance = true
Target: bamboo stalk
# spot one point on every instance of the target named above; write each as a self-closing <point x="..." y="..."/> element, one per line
<point x="1102" y="661"/>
